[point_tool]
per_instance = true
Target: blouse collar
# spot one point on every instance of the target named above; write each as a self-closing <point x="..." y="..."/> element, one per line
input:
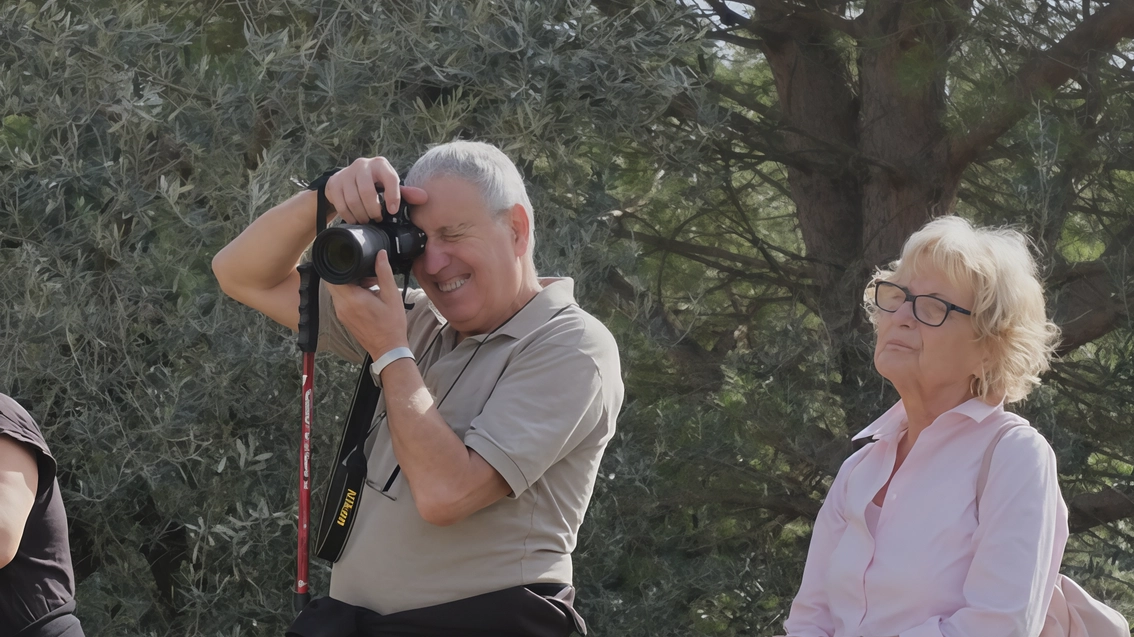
<point x="893" y="421"/>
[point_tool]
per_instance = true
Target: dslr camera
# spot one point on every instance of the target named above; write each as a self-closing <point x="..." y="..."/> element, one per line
<point x="345" y="253"/>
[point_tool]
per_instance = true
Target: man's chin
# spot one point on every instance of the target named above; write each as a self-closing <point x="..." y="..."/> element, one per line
<point x="453" y="312"/>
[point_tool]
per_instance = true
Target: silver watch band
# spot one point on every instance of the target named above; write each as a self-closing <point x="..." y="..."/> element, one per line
<point x="397" y="353"/>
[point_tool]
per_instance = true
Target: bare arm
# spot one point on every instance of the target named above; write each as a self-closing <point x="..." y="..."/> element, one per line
<point x="258" y="267"/>
<point x="448" y="480"/>
<point x="19" y="481"/>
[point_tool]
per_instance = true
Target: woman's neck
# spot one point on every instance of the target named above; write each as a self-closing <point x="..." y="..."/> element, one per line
<point x="923" y="408"/>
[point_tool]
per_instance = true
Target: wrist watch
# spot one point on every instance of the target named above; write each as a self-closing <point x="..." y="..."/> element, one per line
<point x="395" y="354"/>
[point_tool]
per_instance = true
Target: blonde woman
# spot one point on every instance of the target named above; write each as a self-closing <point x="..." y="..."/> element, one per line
<point x="897" y="549"/>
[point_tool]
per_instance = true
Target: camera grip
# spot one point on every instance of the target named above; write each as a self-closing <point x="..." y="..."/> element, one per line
<point x="308" y="307"/>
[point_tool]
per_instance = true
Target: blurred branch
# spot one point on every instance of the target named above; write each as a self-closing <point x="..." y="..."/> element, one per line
<point x="701" y="368"/>
<point x="1088" y="510"/>
<point x="1046" y="71"/>
<point x="700" y="253"/>
<point x="1091" y="303"/>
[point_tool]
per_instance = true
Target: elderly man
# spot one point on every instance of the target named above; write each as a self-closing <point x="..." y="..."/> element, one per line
<point x="499" y="395"/>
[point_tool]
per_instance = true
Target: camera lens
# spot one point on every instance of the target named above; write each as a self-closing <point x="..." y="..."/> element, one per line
<point x="346" y="253"/>
<point x="341" y="255"/>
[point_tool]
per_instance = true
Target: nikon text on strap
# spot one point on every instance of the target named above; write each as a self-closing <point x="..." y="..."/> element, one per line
<point x="345" y="489"/>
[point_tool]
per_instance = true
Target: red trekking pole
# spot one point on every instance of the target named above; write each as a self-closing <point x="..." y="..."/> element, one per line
<point x="308" y="339"/>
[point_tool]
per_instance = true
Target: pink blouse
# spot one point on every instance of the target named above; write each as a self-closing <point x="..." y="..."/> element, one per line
<point x="928" y="569"/>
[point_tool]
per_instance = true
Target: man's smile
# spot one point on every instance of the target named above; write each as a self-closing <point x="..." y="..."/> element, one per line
<point x="454" y="283"/>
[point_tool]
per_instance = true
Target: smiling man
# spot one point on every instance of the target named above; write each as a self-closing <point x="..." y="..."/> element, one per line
<point x="499" y="395"/>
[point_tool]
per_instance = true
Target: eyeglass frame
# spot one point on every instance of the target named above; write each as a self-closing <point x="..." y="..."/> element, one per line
<point x="912" y="298"/>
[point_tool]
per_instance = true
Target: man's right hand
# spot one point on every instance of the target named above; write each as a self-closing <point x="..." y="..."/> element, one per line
<point x="354" y="195"/>
<point x="258" y="267"/>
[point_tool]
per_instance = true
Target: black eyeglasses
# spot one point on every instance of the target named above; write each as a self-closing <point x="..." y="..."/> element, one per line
<point x="930" y="310"/>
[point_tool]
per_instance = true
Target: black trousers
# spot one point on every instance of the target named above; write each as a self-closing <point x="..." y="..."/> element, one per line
<point x="536" y="610"/>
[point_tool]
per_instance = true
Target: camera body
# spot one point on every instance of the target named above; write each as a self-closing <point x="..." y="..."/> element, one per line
<point x="345" y="253"/>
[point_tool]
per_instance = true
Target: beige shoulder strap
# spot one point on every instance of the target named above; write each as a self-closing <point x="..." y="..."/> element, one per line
<point x="986" y="463"/>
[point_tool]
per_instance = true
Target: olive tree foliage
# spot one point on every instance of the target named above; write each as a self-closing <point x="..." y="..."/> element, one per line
<point x="139" y="137"/>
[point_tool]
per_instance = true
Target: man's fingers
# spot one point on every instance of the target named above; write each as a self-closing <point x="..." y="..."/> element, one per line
<point x="339" y="291"/>
<point x="353" y="202"/>
<point x="353" y="191"/>
<point x="334" y="192"/>
<point x="383" y="174"/>
<point x="349" y="298"/>
<point x="387" y="285"/>
<point x="337" y="295"/>
<point x="414" y="196"/>
<point x="368" y="195"/>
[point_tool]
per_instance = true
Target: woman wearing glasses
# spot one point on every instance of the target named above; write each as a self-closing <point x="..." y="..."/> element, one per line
<point x="897" y="549"/>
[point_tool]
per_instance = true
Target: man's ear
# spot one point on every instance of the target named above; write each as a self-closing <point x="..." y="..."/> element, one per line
<point x="520" y="229"/>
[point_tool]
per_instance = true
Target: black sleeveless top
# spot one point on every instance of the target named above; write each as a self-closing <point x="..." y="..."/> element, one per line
<point x="39" y="580"/>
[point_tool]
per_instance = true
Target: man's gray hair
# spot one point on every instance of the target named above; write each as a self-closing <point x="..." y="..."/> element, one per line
<point x="486" y="167"/>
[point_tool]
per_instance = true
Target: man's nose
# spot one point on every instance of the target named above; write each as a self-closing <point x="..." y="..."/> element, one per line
<point x="434" y="258"/>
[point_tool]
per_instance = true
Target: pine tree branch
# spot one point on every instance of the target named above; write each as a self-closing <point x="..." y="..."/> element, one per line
<point x="1088" y="510"/>
<point x="1090" y="305"/>
<point x="1046" y="71"/>
<point x="713" y="256"/>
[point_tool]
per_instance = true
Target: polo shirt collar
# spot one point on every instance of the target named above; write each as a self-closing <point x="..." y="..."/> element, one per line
<point x="892" y="422"/>
<point x="557" y="293"/>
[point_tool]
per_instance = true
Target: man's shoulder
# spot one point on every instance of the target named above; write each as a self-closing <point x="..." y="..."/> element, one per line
<point x="577" y="322"/>
<point x="575" y="329"/>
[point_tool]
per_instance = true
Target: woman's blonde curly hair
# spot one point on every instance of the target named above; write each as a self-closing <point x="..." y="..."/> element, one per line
<point x="1008" y="314"/>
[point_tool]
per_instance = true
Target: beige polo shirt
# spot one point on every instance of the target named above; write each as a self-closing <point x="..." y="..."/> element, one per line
<point x="538" y="400"/>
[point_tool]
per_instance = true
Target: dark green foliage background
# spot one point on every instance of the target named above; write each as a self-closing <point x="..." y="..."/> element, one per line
<point x="138" y="138"/>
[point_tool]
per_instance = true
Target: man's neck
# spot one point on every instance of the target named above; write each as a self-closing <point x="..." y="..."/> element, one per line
<point x="529" y="289"/>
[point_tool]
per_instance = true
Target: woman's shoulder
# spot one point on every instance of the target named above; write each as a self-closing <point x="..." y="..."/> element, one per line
<point x="1015" y="431"/>
<point x="854" y="459"/>
<point x="1019" y="441"/>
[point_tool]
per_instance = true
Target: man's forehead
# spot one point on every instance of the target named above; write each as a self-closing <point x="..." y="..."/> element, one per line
<point x="438" y="215"/>
<point x="455" y="227"/>
<point x="448" y="216"/>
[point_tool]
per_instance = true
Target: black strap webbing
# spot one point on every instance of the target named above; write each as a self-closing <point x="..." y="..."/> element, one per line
<point x="345" y="489"/>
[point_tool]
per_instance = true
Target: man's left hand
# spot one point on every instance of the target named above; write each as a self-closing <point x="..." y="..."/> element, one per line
<point x="376" y="319"/>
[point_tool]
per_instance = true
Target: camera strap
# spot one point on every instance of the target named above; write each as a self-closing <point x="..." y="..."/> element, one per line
<point x="349" y="475"/>
<point x="319" y="185"/>
<point x="345" y="487"/>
